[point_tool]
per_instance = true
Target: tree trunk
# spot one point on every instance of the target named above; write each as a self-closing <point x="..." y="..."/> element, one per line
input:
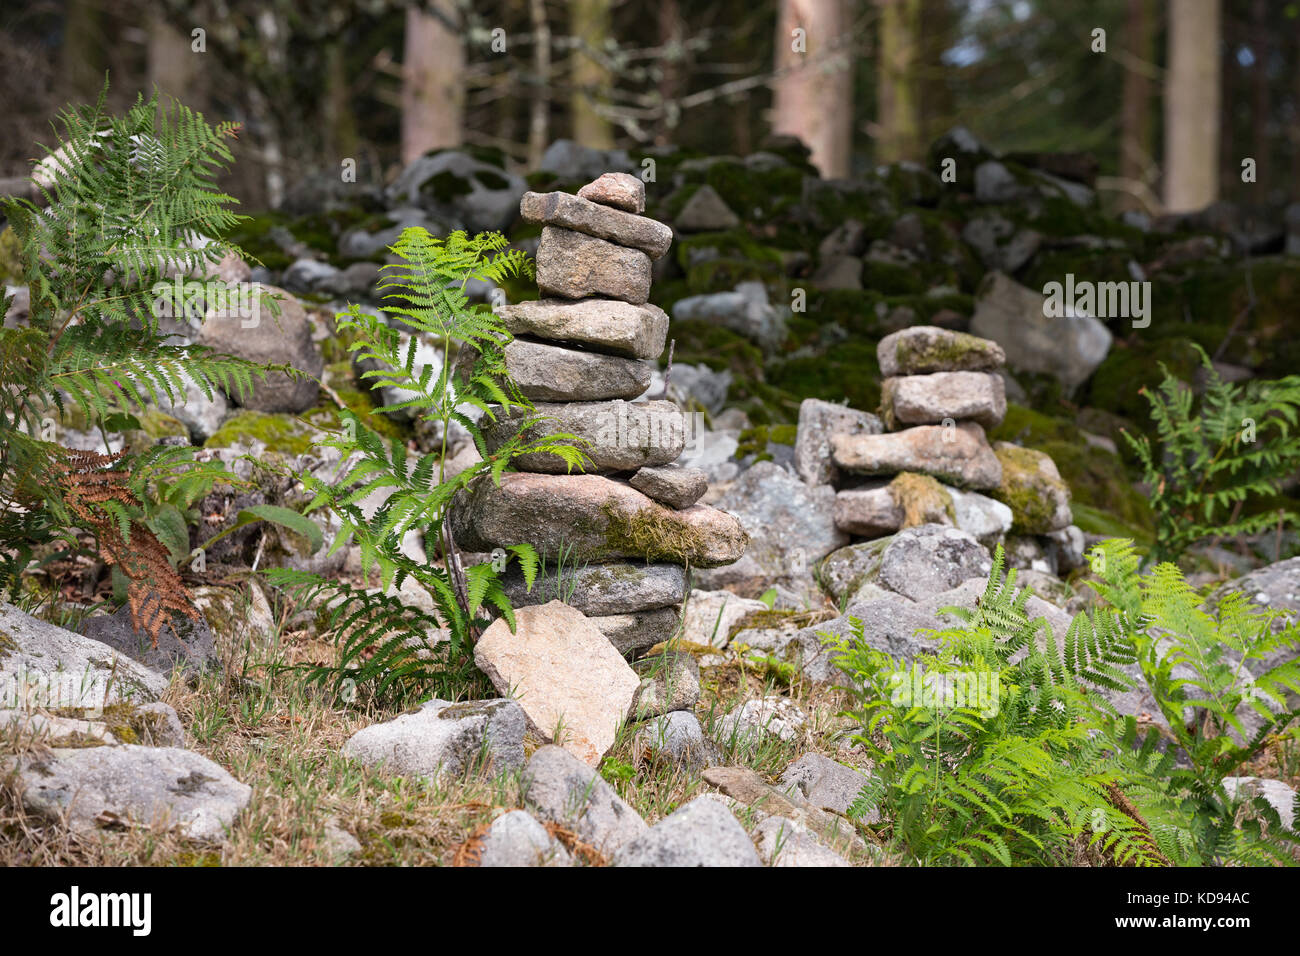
<point x="813" y="90"/>
<point x="172" y="62"/>
<point x="1192" y="105"/>
<point x="671" y="30"/>
<point x="897" y="87"/>
<point x="591" y="79"/>
<point x="539" y="129"/>
<point x="340" y="122"/>
<point x="433" y="93"/>
<point x="1135" y="145"/>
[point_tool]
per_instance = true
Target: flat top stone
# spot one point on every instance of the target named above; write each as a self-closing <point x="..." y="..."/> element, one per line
<point x="565" y="674"/>
<point x="574" y="212"/>
<point x="927" y="348"/>
<point x="619" y="190"/>
<point x="574" y="265"/>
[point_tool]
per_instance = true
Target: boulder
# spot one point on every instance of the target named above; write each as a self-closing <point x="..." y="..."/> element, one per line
<point x="516" y="839"/>
<point x="573" y="686"/>
<point x="560" y="788"/>
<point x="1067" y="348"/>
<point x="790" y="526"/>
<point x="453" y="184"/>
<point x="825" y="783"/>
<point x="572" y="265"/>
<point x="783" y="842"/>
<point x="699" y="833"/>
<point x="705" y="211"/>
<point x="266" y="338"/>
<point x="166" y="787"/>
<point x="746" y="311"/>
<point x="778" y="716"/>
<point x="43" y="665"/>
<point x="444" y="739"/>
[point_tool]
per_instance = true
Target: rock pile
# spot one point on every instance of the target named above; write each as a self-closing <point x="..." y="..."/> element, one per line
<point x="934" y="463"/>
<point x="584" y="355"/>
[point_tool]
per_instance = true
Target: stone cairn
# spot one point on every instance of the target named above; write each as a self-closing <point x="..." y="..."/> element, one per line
<point x="618" y="536"/>
<point x="927" y="459"/>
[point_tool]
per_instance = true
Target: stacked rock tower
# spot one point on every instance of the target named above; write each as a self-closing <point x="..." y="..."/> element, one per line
<point x="617" y="538"/>
<point x="940" y="392"/>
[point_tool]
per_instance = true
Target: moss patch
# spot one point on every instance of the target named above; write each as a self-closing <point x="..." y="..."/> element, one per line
<point x="653" y="533"/>
<point x="1026" y="490"/>
<point x="923" y="499"/>
<point x="278" y="433"/>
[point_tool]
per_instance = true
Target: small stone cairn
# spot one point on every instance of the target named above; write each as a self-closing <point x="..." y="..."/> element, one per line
<point x="927" y="458"/>
<point x="618" y="536"/>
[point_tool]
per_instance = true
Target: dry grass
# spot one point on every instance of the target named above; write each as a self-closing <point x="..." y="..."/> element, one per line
<point x="284" y="739"/>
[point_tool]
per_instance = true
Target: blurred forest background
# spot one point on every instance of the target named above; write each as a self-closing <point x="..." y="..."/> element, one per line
<point x="1183" y="92"/>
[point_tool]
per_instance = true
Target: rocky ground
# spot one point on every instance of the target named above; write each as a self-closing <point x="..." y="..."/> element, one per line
<point x="875" y="399"/>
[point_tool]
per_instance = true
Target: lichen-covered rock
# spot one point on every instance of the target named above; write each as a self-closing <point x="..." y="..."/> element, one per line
<point x="606" y="325"/>
<point x="959" y="454"/>
<point x="593" y="519"/>
<point x="151" y="786"/>
<point x="1032" y="488"/>
<point x="778" y="716"/>
<point x="818" y="422"/>
<point x="598" y="589"/>
<point x="614" y="436"/>
<point x="915" y="562"/>
<point x="709" y="617"/>
<point x="573" y="686"/>
<point x="43" y="665"/>
<point x="783" y="842"/>
<point x="572" y="265"/>
<point x="184" y="643"/>
<point x="593" y="219"/>
<point x="825" y="783"/>
<point x="932" y="399"/>
<point x="924" y="349"/>
<point x="442" y="738"/>
<point x="791" y="526"/>
<point x="560" y="788"/>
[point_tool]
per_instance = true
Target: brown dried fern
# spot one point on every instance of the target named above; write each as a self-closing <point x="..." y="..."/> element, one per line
<point x="89" y="483"/>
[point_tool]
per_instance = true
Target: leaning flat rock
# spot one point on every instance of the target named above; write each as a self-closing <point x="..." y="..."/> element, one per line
<point x="619" y="190"/>
<point x="618" y="435"/>
<point x="932" y="399"/>
<point x="594" y="589"/>
<point x="593" y="219"/>
<point x="672" y="485"/>
<point x="702" y="832"/>
<point x="606" y="325"/>
<point x="959" y="454"/>
<point x="571" y="682"/>
<point x="923" y="349"/>
<point x="43" y="665"/>
<point x="549" y="373"/>
<point x="442" y="738"/>
<point x="560" y="788"/>
<point x="592" y="518"/>
<point x="574" y="266"/>
<point x="151" y="786"/>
